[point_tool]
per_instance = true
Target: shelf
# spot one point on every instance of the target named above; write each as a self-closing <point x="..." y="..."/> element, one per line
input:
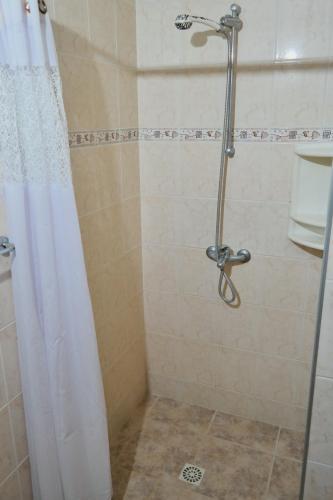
<point x="317" y="220"/>
<point x="319" y="150"/>
<point x="310" y="193"/>
<point x="312" y="241"/>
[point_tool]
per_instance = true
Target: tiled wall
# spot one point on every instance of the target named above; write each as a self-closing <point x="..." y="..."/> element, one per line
<point x="96" y="43"/>
<point x="319" y="477"/>
<point x="14" y="463"/>
<point x="253" y="360"/>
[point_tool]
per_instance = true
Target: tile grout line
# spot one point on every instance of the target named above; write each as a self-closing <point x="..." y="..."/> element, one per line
<point x="273" y="461"/>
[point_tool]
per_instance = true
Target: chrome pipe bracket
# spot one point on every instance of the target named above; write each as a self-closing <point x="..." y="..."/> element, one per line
<point x="6" y="247"/>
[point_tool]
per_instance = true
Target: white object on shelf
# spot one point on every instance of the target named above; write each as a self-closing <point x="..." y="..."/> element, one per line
<point x="310" y="192"/>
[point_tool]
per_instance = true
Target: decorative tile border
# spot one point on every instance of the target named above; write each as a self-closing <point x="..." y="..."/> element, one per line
<point x="83" y="138"/>
<point x="116" y="136"/>
<point x="240" y="134"/>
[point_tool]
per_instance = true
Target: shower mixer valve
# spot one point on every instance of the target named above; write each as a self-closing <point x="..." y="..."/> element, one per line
<point x="224" y="255"/>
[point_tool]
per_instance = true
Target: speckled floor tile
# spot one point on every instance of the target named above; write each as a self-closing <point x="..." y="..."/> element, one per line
<point x="257" y="435"/>
<point x="165" y="409"/>
<point x="290" y="444"/>
<point x="285" y="480"/>
<point x="133" y="486"/>
<point x="187" y="418"/>
<point x="232" y="471"/>
<point x="171" y="488"/>
<point x="236" y="453"/>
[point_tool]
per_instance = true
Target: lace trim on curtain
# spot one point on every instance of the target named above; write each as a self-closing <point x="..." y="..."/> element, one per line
<point x="33" y="129"/>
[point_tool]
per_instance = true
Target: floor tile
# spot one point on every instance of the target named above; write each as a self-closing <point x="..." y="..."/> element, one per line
<point x="257" y="435"/>
<point x="186" y="417"/>
<point x="233" y="472"/>
<point x="171" y="488"/>
<point x="285" y="480"/>
<point x="290" y="444"/>
<point x="165" y="409"/>
<point x="144" y="455"/>
<point x="132" y="486"/>
<point x="237" y="455"/>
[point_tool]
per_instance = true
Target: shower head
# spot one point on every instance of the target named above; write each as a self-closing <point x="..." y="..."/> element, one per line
<point x="182" y="22"/>
<point x="185" y="21"/>
<point x="224" y="26"/>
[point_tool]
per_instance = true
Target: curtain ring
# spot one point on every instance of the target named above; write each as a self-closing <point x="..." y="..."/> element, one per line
<point x="42" y="6"/>
<point x="27" y="7"/>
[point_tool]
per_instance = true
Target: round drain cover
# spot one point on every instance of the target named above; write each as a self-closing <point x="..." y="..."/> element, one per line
<point x="192" y="474"/>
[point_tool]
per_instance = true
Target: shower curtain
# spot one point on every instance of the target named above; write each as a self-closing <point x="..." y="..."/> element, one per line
<point x="62" y="388"/>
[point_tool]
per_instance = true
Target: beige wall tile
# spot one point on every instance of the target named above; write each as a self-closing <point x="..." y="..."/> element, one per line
<point x="85" y="181"/>
<point x="330" y="260"/>
<point x="254" y="102"/>
<point x="311" y="35"/>
<point x="105" y="96"/>
<point x="195" y="273"/>
<point x="131" y="225"/>
<point x="6" y="303"/>
<point x="258" y="45"/>
<point x="130" y="170"/>
<point x="125" y="374"/>
<point x="160" y="168"/>
<point x="256" y="328"/>
<point x="3" y="391"/>
<point x="260" y="172"/>
<point x="128" y="99"/>
<point x="272" y="412"/>
<point x="70" y="25"/>
<point x="10" y="490"/>
<point x="195" y="103"/>
<point x="108" y="162"/>
<point x="76" y="73"/>
<point x="18" y="422"/>
<point x="194" y="221"/>
<point x="7" y="454"/>
<point x="321" y="436"/>
<point x="299" y="96"/>
<point x="160" y="268"/>
<point x="163" y="313"/>
<point x="319" y="482"/>
<point x="198" y="165"/>
<point x="161" y="93"/>
<point x="328" y="108"/>
<point x="8" y="342"/>
<point x="103" y="28"/>
<point x="324" y="366"/>
<point x="158" y="220"/>
<point x="25" y="480"/>
<point x="126" y="31"/>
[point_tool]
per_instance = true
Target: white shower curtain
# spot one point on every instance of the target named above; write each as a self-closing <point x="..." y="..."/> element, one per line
<point x="63" y="393"/>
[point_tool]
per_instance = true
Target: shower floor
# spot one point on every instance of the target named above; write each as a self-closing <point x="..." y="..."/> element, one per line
<point x="243" y="459"/>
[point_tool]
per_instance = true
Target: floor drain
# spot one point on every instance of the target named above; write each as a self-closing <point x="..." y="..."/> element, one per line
<point x="192" y="474"/>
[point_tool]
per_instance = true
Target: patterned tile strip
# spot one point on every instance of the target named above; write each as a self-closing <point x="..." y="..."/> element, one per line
<point x="116" y="136"/>
<point x="83" y="138"/>
<point x="240" y="134"/>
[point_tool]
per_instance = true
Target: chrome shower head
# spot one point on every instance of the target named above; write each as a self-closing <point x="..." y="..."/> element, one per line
<point x="185" y="21"/>
<point x="181" y="22"/>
